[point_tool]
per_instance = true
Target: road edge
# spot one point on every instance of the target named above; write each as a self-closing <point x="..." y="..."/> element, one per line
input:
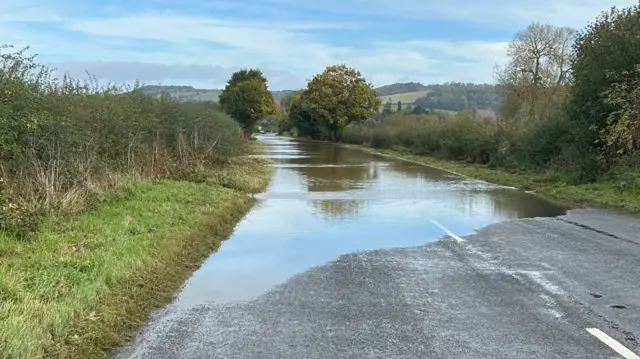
<point x="132" y="301"/>
<point x="569" y="196"/>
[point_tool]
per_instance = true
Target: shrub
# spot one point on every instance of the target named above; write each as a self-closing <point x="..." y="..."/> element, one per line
<point x="64" y="141"/>
<point x="460" y="138"/>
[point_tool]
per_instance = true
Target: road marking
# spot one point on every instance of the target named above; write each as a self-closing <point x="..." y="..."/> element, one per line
<point x="447" y="231"/>
<point x="612" y="343"/>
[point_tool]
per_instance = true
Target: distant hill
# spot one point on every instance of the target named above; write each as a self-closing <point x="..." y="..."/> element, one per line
<point x="406" y="98"/>
<point x="399" y="88"/>
<point x="189" y="93"/>
<point x="280" y="94"/>
<point x="456" y="96"/>
<point x="452" y="96"/>
<point x="183" y="93"/>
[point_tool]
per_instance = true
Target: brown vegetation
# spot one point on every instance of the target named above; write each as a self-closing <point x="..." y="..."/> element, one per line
<point x="64" y="142"/>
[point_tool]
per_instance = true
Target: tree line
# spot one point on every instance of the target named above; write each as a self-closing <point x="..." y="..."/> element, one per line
<point x="397" y="88"/>
<point x="567" y="101"/>
<point x="455" y="96"/>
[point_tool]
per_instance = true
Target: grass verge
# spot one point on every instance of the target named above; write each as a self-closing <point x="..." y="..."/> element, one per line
<point x="87" y="281"/>
<point x="546" y="184"/>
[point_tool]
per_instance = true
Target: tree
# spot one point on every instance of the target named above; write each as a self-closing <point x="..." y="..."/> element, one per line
<point x="337" y="97"/>
<point x="270" y="123"/>
<point x="285" y="122"/>
<point x="418" y="110"/>
<point x="399" y="107"/>
<point x="622" y="134"/>
<point x="285" y="101"/>
<point x="539" y="67"/>
<point x="245" y="75"/>
<point x="541" y="54"/>
<point x="387" y="109"/>
<point x="247" y="99"/>
<point x="301" y="118"/>
<point x="607" y="53"/>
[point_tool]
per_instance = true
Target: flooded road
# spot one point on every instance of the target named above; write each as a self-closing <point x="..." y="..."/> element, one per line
<point x="340" y="259"/>
<point x="325" y="200"/>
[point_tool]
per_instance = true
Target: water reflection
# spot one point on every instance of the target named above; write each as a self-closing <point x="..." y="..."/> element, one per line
<point x="325" y="200"/>
<point x="338" y="209"/>
<point x="338" y="178"/>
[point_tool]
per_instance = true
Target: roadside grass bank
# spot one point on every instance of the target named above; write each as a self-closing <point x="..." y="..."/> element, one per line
<point x="87" y="280"/>
<point x="547" y="184"/>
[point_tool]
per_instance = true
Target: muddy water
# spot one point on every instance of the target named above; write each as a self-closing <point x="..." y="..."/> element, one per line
<point x="324" y="200"/>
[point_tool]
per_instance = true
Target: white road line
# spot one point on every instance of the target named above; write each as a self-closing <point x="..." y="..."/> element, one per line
<point x="612" y="343"/>
<point x="447" y="231"/>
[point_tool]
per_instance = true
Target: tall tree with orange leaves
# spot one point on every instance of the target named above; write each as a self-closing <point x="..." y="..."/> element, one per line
<point x="338" y="96"/>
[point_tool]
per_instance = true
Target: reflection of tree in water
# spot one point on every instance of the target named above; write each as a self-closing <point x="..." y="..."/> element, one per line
<point x="347" y="208"/>
<point x="323" y="154"/>
<point x="506" y="203"/>
<point x="337" y="171"/>
<point x="516" y="204"/>
<point x="414" y="170"/>
<point x="332" y="179"/>
<point x="355" y="169"/>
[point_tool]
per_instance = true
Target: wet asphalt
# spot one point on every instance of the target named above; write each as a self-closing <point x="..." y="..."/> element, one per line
<point x="513" y="288"/>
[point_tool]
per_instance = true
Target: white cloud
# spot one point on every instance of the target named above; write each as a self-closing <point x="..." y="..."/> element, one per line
<point x="167" y="46"/>
<point x="125" y="71"/>
<point x="506" y="14"/>
<point x="210" y="49"/>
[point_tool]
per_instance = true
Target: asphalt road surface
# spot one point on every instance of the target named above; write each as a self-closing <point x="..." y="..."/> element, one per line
<point x="564" y="287"/>
<point x="352" y="255"/>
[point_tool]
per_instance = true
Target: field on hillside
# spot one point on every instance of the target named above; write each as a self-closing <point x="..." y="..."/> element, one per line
<point x="188" y="93"/>
<point x="210" y="95"/>
<point x="480" y="113"/>
<point x="405" y="97"/>
<point x="197" y="95"/>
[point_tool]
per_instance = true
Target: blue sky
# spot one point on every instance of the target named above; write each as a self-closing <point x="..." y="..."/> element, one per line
<point x="199" y="42"/>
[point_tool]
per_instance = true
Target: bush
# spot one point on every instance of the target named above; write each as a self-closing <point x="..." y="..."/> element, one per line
<point x="62" y="141"/>
<point x="537" y="143"/>
<point x="583" y="130"/>
<point x="605" y="82"/>
<point x="459" y="138"/>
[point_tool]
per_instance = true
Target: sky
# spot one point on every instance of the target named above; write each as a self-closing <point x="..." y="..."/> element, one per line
<point x="201" y="42"/>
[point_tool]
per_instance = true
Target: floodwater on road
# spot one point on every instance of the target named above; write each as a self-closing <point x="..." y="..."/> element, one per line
<point x="326" y="200"/>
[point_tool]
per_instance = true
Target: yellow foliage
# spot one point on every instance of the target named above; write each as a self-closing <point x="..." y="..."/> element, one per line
<point x="338" y="96"/>
<point x="247" y="99"/>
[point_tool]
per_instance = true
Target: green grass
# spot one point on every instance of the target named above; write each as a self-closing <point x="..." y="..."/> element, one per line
<point x="480" y="113"/>
<point x="211" y="95"/>
<point x="486" y="113"/>
<point x="408" y="98"/>
<point x="405" y="98"/>
<point x="87" y="281"/>
<point x="546" y="184"/>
